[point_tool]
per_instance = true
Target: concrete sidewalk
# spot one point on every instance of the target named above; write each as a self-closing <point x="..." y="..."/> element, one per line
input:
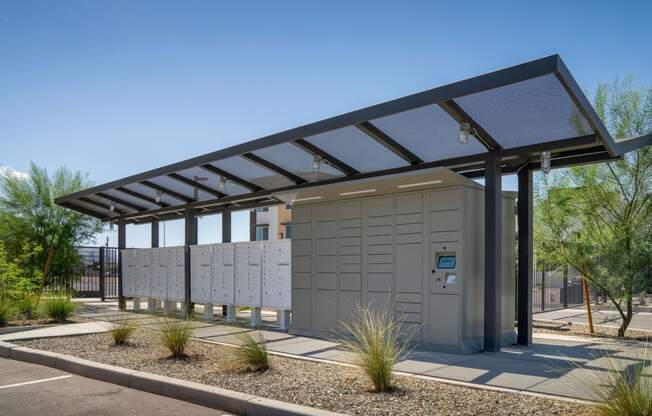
<point x="59" y="331"/>
<point x="640" y="320"/>
<point x="552" y="365"/>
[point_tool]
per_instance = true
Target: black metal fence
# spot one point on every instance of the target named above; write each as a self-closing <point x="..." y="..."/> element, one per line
<point x="558" y="288"/>
<point x="96" y="276"/>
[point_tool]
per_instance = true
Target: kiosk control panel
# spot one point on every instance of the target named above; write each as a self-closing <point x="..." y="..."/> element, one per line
<point x="445" y="276"/>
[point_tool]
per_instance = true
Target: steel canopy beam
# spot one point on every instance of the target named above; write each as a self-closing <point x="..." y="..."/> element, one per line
<point x="121" y="201"/>
<point x="141" y="196"/>
<point x="391" y="144"/>
<point x="272" y="167"/>
<point x="196" y="184"/>
<point x="332" y="160"/>
<point x="165" y="190"/>
<point x="457" y="113"/>
<point x="449" y="163"/>
<point x="101" y="205"/>
<point x="584" y="106"/>
<point x="217" y="171"/>
<point x="71" y="205"/>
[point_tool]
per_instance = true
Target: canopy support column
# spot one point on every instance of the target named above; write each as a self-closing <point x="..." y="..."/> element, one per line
<point x="493" y="254"/>
<point x="155" y="242"/>
<point x="252" y="224"/>
<point x="226" y="238"/>
<point x="190" y="239"/>
<point x="151" y="301"/>
<point x="122" y="244"/>
<point x="525" y="254"/>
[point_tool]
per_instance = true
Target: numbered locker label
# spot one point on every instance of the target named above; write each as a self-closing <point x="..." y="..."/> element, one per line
<point x="223" y="273"/>
<point x="277" y="274"/>
<point x="200" y="274"/>
<point x="248" y="258"/>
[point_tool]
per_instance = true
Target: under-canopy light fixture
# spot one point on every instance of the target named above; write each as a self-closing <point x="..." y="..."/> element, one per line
<point x="316" y="163"/>
<point x="363" y="191"/>
<point x="221" y="184"/>
<point x="310" y="198"/>
<point x="465" y="130"/>
<point x="112" y="206"/>
<point x="157" y="198"/>
<point x="412" y="185"/>
<point x="545" y="162"/>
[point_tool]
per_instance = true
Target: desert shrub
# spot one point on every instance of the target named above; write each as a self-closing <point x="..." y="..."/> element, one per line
<point x="175" y="335"/>
<point x="27" y="306"/>
<point x="16" y="280"/>
<point x="252" y="351"/>
<point x="121" y="332"/>
<point x="58" y="305"/>
<point x="377" y="342"/>
<point x="6" y="312"/>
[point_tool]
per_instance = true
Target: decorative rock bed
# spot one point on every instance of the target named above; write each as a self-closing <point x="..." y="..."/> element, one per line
<point x="328" y="386"/>
<point x="579" y="329"/>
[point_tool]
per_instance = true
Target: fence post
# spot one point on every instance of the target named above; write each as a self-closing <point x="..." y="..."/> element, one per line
<point x="565" y="286"/>
<point x="543" y="288"/>
<point x="102" y="274"/>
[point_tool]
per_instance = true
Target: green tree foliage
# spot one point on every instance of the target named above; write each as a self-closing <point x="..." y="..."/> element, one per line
<point x="28" y="215"/>
<point x="16" y="280"/>
<point x="598" y="218"/>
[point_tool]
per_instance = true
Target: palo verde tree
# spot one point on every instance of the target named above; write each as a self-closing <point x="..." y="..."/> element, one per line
<point x="29" y="217"/>
<point x="598" y="218"/>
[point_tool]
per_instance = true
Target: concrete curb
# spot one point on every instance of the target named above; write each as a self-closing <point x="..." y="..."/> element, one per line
<point x="209" y="396"/>
<point x="12" y="329"/>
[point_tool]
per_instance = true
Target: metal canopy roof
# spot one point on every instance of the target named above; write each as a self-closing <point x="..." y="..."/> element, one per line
<point x="514" y="113"/>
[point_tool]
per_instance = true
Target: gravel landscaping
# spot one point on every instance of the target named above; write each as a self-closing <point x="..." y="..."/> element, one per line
<point x="567" y="328"/>
<point x="333" y="387"/>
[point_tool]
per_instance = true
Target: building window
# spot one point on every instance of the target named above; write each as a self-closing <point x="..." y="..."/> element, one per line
<point x="288" y="231"/>
<point x="263" y="209"/>
<point x="262" y="233"/>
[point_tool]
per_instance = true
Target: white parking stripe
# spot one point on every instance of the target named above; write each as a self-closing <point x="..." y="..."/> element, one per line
<point x="43" y="380"/>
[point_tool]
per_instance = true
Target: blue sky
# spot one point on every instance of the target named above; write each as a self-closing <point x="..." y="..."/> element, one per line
<point x="113" y="88"/>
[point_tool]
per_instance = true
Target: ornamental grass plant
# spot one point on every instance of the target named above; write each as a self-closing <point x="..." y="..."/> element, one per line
<point x="251" y="352"/>
<point x="377" y="341"/>
<point x="175" y="335"/>
<point x="58" y="305"/>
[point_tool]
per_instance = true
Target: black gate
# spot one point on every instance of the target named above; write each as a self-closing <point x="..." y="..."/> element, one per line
<point x="558" y="289"/>
<point x="97" y="276"/>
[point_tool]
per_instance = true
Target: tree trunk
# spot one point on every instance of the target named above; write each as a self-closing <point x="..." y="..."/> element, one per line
<point x="627" y="319"/>
<point x="46" y="272"/>
<point x="587" y="301"/>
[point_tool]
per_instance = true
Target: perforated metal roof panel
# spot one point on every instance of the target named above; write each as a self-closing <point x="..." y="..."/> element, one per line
<point x="514" y="114"/>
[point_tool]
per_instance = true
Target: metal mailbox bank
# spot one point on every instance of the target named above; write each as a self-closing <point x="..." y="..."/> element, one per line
<point x="414" y="243"/>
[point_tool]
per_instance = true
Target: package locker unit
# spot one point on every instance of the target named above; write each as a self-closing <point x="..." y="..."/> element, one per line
<point x="414" y="244"/>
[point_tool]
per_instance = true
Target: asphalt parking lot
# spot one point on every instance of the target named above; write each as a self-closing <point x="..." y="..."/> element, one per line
<point x="29" y="389"/>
